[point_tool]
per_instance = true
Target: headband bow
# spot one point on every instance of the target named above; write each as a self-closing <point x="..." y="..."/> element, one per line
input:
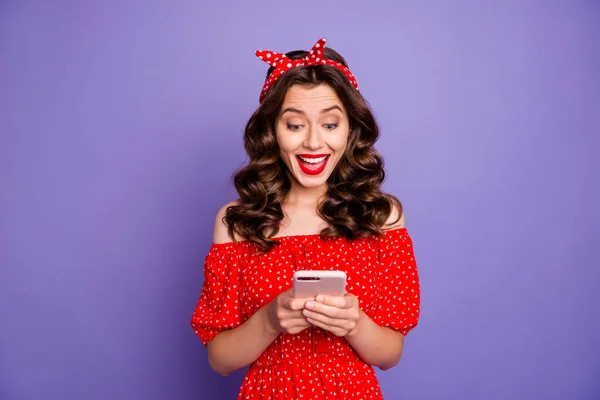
<point x="282" y="63"/>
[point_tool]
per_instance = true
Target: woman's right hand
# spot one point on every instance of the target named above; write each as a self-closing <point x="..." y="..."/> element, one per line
<point x="284" y="314"/>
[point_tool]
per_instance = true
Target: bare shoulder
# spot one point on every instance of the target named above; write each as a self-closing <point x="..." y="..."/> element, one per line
<point x="221" y="231"/>
<point x="395" y="220"/>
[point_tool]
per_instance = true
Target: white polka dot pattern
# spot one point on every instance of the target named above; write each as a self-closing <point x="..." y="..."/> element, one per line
<point x="314" y="57"/>
<point x="381" y="272"/>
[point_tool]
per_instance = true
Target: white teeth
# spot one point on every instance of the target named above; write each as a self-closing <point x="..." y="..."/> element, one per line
<point x="313" y="160"/>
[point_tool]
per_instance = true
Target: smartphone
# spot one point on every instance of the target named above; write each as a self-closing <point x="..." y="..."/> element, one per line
<point x="314" y="283"/>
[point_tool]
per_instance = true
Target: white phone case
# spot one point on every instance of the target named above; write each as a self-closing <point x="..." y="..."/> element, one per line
<point x="314" y="283"/>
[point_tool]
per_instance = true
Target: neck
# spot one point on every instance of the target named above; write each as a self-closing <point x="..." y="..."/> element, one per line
<point x="303" y="196"/>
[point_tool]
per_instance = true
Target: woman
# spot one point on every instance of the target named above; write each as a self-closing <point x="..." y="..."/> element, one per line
<point x="309" y="198"/>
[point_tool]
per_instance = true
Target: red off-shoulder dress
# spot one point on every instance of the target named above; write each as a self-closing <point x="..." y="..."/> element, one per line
<point x="313" y="364"/>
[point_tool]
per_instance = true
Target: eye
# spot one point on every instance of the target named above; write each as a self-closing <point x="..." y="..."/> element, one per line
<point x="294" y="128"/>
<point x="331" y="127"/>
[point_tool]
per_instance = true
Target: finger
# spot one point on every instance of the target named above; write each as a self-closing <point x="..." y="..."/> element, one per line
<point x="335" y="330"/>
<point x="351" y="300"/>
<point x="284" y="314"/>
<point x="345" y="301"/>
<point x="320" y="308"/>
<point x="296" y="314"/>
<point x="298" y="304"/>
<point x="285" y="299"/>
<point x="294" y="323"/>
<point x="324" y="319"/>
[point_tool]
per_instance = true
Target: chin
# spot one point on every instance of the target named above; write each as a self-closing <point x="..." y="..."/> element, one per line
<point x="311" y="183"/>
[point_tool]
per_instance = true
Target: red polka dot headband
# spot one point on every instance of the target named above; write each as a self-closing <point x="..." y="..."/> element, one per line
<point x="282" y="63"/>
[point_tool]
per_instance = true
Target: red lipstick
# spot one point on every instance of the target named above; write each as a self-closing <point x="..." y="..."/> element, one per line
<point x="312" y="169"/>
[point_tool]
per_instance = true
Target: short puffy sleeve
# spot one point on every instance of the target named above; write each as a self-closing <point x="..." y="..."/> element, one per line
<point x="399" y="297"/>
<point x="218" y="308"/>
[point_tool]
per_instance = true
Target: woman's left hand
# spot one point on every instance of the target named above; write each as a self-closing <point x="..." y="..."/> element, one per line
<point x="336" y="314"/>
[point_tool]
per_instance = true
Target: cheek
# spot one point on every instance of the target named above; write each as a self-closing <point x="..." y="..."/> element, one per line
<point x="339" y="143"/>
<point x="287" y="144"/>
<point x="285" y="148"/>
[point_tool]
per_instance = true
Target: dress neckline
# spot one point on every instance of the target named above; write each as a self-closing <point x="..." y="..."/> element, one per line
<point x="304" y="236"/>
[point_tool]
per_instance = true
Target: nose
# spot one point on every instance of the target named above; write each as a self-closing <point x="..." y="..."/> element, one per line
<point x="314" y="139"/>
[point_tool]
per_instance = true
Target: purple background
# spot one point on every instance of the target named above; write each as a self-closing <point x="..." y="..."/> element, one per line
<point x="121" y="123"/>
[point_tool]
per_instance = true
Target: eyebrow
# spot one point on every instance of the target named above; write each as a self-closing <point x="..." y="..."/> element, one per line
<point x="323" y="111"/>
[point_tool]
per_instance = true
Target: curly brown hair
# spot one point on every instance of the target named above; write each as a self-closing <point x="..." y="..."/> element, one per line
<point x="354" y="205"/>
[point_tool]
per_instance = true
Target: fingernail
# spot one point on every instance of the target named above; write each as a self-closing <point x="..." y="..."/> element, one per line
<point x="309" y="304"/>
<point x="319" y="298"/>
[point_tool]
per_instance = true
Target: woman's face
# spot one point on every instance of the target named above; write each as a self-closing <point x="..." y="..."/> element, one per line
<point x="312" y="131"/>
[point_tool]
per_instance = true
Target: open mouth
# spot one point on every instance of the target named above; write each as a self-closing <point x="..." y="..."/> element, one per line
<point x="312" y="164"/>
